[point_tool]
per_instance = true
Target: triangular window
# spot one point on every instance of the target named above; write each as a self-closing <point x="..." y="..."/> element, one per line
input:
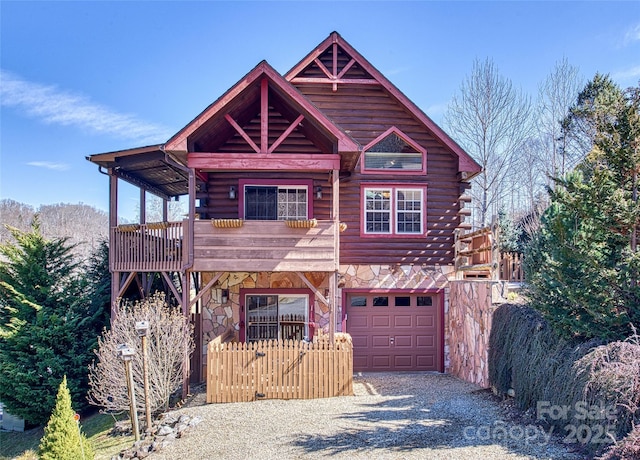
<point x="393" y="151"/>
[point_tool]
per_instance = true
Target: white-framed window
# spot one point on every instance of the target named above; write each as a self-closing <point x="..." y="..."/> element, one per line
<point x="276" y="316"/>
<point x="393" y="210"/>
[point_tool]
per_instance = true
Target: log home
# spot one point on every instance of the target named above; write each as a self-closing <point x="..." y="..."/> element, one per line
<point x="321" y="199"/>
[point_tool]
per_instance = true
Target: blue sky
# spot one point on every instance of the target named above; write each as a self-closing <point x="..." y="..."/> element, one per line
<point x="89" y="77"/>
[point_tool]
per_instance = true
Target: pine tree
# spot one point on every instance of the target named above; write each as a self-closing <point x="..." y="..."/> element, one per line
<point x="583" y="266"/>
<point x="62" y="438"/>
<point x="48" y="326"/>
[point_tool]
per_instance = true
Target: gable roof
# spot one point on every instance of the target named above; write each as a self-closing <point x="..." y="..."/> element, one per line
<point x="466" y="164"/>
<point x="236" y="97"/>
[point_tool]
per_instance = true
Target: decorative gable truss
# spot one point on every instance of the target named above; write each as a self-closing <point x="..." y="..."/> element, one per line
<point x="264" y="123"/>
<point x="336" y="62"/>
<point x="333" y="65"/>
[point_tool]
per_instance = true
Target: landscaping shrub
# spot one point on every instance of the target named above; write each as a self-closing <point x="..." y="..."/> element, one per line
<point x="546" y="371"/>
<point x="169" y="342"/>
<point x="62" y="438"/>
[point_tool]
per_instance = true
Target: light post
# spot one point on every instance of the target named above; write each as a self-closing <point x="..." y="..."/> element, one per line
<point x="142" y="327"/>
<point x="126" y="353"/>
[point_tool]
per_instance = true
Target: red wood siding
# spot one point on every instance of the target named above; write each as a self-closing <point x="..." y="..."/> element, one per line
<point x="365" y="112"/>
<point x="215" y="202"/>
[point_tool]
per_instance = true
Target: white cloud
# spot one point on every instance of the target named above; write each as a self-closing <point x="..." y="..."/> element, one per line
<point x="55" y="106"/>
<point x="49" y="165"/>
<point x="632" y="35"/>
<point x="631" y="73"/>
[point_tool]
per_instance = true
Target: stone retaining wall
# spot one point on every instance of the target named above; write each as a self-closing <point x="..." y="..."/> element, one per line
<point x="468" y="325"/>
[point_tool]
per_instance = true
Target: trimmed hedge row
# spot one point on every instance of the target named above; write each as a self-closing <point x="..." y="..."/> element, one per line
<point x="566" y="384"/>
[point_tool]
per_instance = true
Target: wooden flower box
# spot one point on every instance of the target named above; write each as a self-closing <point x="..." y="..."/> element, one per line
<point x="227" y="223"/>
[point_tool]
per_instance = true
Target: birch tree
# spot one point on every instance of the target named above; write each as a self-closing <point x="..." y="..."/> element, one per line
<point x="491" y="120"/>
<point x="556" y="95"/>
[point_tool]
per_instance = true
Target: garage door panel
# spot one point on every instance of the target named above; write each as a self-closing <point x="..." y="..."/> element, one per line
<point x="380" y="362"/>
<point x="360" y="341"/>
<point x="360" y="362"/>
<point x="380" y="341"/>
<point x="357" y="321"/>
<point x="380" y="321"/>
<point x="425" y="341"/>
<point x="403" y="341"/>
<point x="403" y="320"/>
<point x="415" y="330"/>
<point x="425" y="320"/>
<point x="426" y="362"/>
<point x="403" y="362"/>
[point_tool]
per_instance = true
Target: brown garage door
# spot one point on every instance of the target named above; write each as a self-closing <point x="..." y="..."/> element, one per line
<point x="395" y="331"/>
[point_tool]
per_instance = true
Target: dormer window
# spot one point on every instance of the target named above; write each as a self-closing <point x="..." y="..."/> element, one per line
<point x="394" y="152"/>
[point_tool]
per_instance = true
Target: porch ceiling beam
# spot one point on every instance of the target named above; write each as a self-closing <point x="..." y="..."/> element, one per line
<point x="286" y="133"/>
<point x="172" y="286"/>
<point x="242" y="133"/>
<point x="133" y="180"/>
<point x="133" y="160"/>
<point x="315" y="290"/>
<point x="263" y="162"/>
<point x="204" y="290"/>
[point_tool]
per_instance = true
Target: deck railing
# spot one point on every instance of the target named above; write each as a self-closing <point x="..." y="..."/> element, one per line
<point x="148" y="247"/>
<point x="511" y="267"/>
<point x="477" y="255"/>
<point x="278" y="369"/>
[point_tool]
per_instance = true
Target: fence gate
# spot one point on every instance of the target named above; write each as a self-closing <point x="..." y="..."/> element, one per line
<point x="278" y="369"/>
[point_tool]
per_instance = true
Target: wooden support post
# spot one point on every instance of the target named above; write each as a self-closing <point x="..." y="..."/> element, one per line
<point x="264" y="115"/>
<point x="165" y="210"/>
<point x="333" y="280"/>
<point x="186" y="291"/>
<point x="143" y="206"/>
<point x="113" y="223"/>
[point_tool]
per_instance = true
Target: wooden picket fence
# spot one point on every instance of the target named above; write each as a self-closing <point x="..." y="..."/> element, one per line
<point x="277" y="369"/>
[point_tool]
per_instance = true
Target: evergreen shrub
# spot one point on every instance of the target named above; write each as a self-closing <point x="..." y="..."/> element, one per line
<point x="63" y="439"/>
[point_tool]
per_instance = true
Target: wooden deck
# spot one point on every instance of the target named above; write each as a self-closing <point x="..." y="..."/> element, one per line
<point x="265" y="246"/>
<point x="148" y="247"/>
<point x="254" y="246"/>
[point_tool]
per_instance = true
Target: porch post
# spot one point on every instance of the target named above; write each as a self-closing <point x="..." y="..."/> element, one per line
<point x="143" y="206"/>
<point x="113" y="222"/>
<point x="186" y="293"/>
<point x="333" y="280"/>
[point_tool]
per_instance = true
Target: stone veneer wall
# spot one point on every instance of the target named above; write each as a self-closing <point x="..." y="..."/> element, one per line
<point x="218" y="317"/>
<point x="471" y="307"/>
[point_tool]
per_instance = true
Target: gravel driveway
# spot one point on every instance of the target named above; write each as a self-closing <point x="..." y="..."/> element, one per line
<point x="391" y="416"/>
